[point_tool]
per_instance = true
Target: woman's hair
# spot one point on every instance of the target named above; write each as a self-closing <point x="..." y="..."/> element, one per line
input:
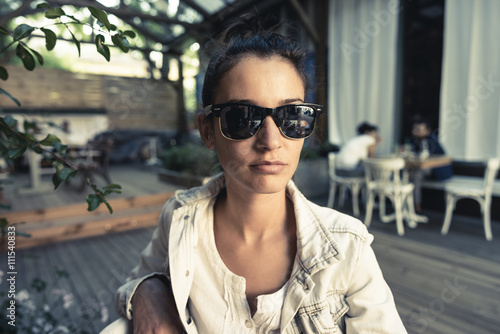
<point x="243" y="37"/>
<point x="366" y="127"/>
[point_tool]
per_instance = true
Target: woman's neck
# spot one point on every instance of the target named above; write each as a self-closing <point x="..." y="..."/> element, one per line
<point x="255" y="218"/>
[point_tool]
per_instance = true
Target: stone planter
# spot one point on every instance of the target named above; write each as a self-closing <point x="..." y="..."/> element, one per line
<point x="178" y="178"/>
<point x="311" y="177"/>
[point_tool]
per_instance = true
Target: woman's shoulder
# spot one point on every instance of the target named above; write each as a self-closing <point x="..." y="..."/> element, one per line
<point x="338" y="223"/>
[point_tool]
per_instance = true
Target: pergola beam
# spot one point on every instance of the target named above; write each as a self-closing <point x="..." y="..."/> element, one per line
<point x="311" y="30"/>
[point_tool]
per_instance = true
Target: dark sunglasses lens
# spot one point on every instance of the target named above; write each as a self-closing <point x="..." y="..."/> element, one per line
<point x="240" y="121"/>
<point x="297" y="121"/>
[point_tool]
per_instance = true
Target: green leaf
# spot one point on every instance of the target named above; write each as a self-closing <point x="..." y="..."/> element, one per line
<point x="61" y="272"/>
<point x="49" y="140"/>
<point x="73" y="18"/>
<point x="4" y="75"/>
<point x="60" y="148"/>
<point x="16" y="101"/>
<point x="26" y="57"/>
<point x="110" y="209"/>
<point x="129" y="33"/>
<point x="10" y="121"/>
<point x="27" y="125"/>
<point x="37" y="55"/>
<point x="54" y="13"/>
<point x="50" y="38"/>
<point x="22" y="31"/>
<point x="66" y="173"/>
<point x="101" y="47"/>
<point x="16" y="152"/>
<point x="112" y="186"/>
<point x="38" y="284"/>
<point x="37" y="149"/>
<point x="101" y="16"/>
<point x="57" y="165"/>
<point x="77" y="42"/>
<point x="56" y="181"/>
<point x="93" y="201"/>
<point x="23" y="234"/>
<point x="4" y="31"/>
<point x="43" y="5"/>
<point x="120" y="42"/>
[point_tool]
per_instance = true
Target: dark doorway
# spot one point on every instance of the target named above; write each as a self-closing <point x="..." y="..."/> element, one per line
<point x="422" y="50"/>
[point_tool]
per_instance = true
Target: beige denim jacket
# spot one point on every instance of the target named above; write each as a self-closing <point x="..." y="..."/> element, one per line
<point x="339" y="288"/>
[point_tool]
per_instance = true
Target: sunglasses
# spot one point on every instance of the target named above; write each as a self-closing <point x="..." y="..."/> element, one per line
<point x="239" y="121"/>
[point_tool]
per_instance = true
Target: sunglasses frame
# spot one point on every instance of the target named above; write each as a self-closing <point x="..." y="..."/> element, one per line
<point x="216" y="110"/>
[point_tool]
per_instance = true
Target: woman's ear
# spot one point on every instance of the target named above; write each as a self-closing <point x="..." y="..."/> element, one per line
<point x="205" y="126"/>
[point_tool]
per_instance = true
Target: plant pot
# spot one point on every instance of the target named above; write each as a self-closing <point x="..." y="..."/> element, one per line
<point x="181" y="179"/>
<point x="311" y="177"/>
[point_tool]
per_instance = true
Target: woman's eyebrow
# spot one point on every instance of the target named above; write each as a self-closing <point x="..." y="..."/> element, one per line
<point x="282" y="102"/>
<point x="288" y="101"/>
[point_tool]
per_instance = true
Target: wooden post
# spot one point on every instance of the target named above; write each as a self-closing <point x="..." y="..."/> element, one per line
<point x="181" y="110"/>
<point x="321" y="20"/>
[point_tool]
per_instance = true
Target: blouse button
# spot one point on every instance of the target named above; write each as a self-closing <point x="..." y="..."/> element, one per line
<point x="248" y="323"/>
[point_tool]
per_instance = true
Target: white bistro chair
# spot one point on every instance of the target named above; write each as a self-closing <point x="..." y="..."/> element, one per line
<point x="479" y="191"/>
<point x="353" y="183"/>
<point x="383" y="179"/>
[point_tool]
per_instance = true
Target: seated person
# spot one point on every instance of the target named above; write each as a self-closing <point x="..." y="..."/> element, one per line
<point x="349" y="159"/>
<point x="425" y="143"/>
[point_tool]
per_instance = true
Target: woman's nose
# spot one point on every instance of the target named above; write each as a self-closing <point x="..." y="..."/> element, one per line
<point x="269" y="136"/>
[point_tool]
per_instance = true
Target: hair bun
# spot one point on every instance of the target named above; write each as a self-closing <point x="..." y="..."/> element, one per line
<point x="246" y="26"/>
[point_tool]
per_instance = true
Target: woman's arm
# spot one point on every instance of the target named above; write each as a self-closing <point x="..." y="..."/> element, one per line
<point x="154" y="309"/>
<point x="146" y="298"/>
<point x="371" y="304"/>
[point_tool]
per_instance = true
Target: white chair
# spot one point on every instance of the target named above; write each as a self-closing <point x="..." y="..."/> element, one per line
<point x="481" y="192"/>
<point x="384" y="180"/>
<point x="353" y="183"/>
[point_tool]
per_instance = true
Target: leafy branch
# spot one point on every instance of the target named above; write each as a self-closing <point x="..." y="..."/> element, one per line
<point x="13" y="142"/>
<point x="29" y="56"/>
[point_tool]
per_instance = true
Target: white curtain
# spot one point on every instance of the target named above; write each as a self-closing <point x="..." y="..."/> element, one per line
<point x="470" y="87"/>
<point x="362" y="68"/>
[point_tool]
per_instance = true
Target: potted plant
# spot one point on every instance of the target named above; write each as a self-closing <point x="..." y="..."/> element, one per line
<point x="187" y="165"/>
<point x="311" y="176"/>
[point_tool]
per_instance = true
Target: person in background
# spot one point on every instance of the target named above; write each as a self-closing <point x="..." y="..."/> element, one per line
<point x="424" y="143"/>
<point x="349" y="161"/>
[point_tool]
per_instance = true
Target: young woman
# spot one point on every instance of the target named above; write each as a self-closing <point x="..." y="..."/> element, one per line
<point x="246" y="252"/>
<point x="349" y="161"/>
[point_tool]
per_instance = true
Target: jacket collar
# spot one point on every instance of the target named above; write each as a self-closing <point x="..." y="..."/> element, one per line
<point x="316" y="246"/>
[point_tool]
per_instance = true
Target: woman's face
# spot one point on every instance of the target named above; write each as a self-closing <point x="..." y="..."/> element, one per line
<point x="265" y="162"/>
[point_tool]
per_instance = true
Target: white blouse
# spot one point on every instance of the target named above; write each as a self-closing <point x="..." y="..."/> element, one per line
<point x="218" y="302"/>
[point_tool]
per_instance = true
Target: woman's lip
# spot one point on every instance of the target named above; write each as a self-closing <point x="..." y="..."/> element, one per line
<point x="268" y="163"/>
<point x="270" y="167"/>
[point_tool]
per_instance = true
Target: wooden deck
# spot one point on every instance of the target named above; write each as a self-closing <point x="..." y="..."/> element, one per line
<point x="441" y="284"/>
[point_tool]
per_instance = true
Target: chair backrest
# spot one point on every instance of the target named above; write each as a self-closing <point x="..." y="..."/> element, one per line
<point x="492" y="167"/>
<point x="382" y="172"/>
